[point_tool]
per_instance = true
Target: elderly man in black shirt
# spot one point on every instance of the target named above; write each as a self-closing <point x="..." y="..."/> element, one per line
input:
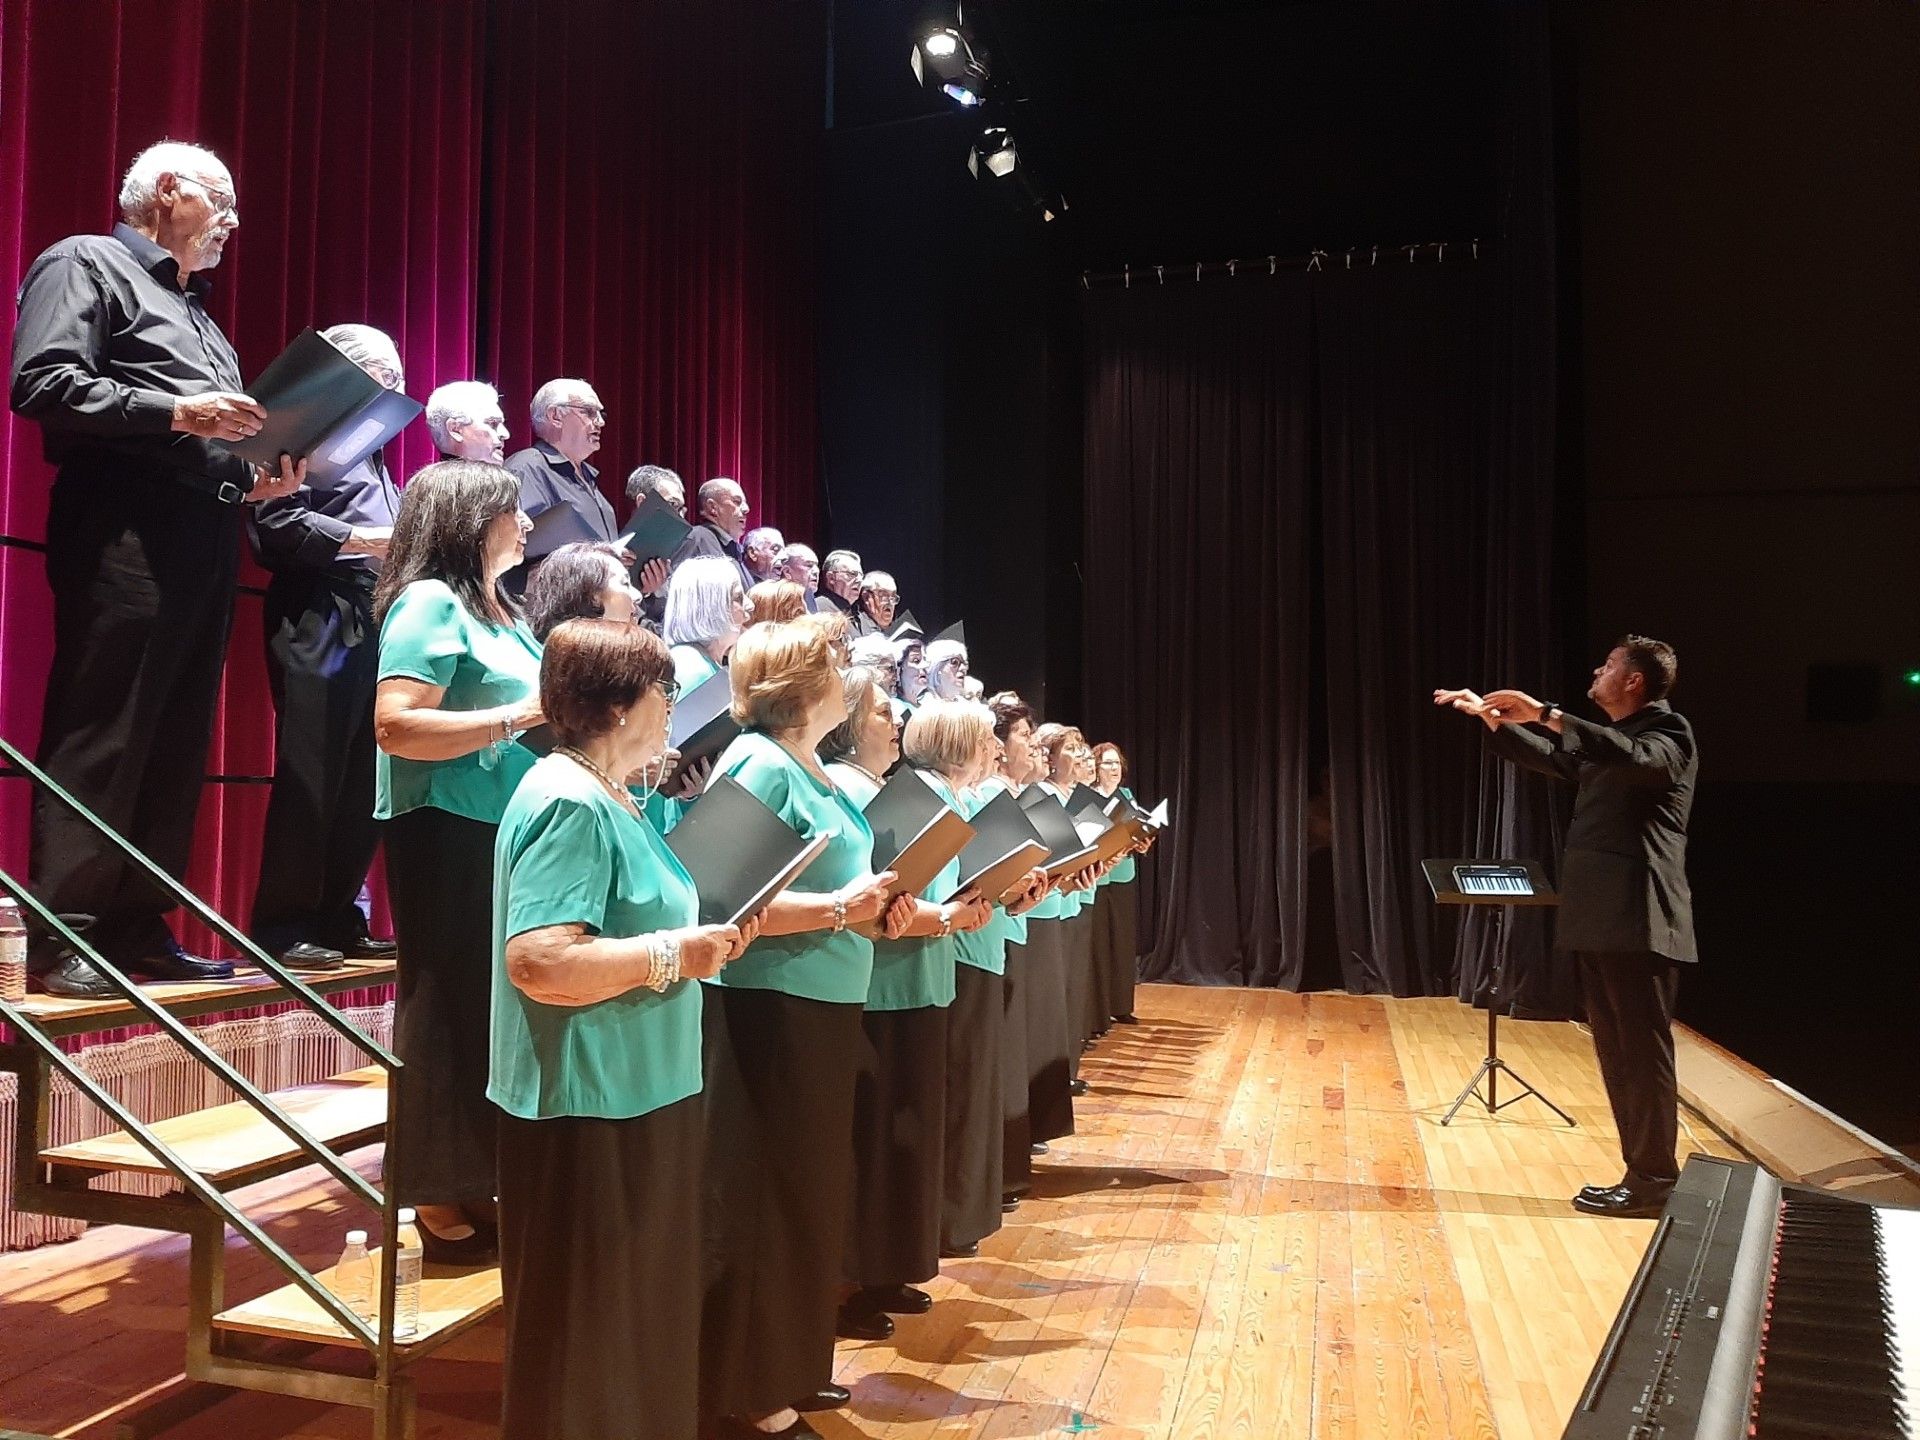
<point x="134" y="388"/>
<point x="559" y="490"/>
<point x="1626" y="911"/>
<point x="324" y="547"/>
<point x="723" y="519"/>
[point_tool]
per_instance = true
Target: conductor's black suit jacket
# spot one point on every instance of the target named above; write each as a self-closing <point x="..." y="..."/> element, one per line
<point x="1623" y="880"/>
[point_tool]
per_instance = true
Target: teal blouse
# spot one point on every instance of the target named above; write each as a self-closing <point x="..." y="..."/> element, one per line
<point x="429" y="636"/>
<point x="1126" y="869"/>
<point x="567" y="854"/>
<point x="917" y="972"/>
<point x="692" y="667"/>
<point x="817" y="964"/>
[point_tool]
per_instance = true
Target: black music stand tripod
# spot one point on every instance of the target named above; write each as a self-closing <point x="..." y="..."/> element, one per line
<point x="1501" y="884"/>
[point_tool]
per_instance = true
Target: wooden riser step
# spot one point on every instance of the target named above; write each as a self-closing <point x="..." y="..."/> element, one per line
<point x="451" y="1301"/>
<point x="234" y="1144"/>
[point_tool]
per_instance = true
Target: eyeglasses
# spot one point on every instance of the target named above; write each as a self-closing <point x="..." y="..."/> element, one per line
<point x="222" y="202"/>
<point x="669" y="690"/>
<point x="592" y="412"/>
<point x="386" y="375"/>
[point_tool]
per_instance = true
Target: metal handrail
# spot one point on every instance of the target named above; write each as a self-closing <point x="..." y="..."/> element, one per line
<point x="205" y="912"/>
<point x="159" y="1015"/>
<point x="202" y="1189"/>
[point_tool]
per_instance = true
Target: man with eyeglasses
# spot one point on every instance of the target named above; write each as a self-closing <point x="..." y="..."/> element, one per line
<point x="137" y="394"/>
<point x="559" y="490"/>
<point x="325" y="547"/>
<point x="840" y="576"/>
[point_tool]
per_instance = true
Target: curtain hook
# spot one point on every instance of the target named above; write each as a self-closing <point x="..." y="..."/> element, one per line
<point x="1476" y="247"/>
<point x="1085" y="284"/>
<point x="1126" y="277"/>
<point x="1272" y="262"/>
<point x="1376" y="255"/>
<point x="1160" y="273"/>
<point x="1442" y="256"/>
<point x="1196" y="272"/>
<point x="1313" y="260"/>
<point x="1409" y="249"/>
<point x="1232" y="266"/>
<point x="1349" y="258"/>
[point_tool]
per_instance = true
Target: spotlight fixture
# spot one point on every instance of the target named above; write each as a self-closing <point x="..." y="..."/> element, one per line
<point x="944" y="60"/>
<point x="995" y="160"/>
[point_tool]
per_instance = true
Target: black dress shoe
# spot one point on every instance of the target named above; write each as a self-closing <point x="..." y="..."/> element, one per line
<point x="1594" y="1192"/>
<point x="365" y="947"/>
<point x="1039" y="1147"/>
<point x="1079" y="1087"/>
<point x="852" y="1324"/>
<point x="959" y="1252"/>
<point x="1009" y="1204"/>
<point x="1127" y="1019"/>
<point x="1624" y="1202"/>
<point x="169" y="962"/>
<point x="893" y="1299"/>
<point x="71" y="976"/>
<point x="469" y="1252"/>
<point x="309" y="956"/>
<point x="827" y="1397"/>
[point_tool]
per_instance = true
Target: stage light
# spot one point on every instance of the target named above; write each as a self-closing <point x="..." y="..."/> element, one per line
<point x="995" y="160"/>
<point x="1912" y="678"/>
<point x="943" y="60"/>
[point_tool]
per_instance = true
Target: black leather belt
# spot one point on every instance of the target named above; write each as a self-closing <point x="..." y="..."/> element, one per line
<point x="225" y="491"/>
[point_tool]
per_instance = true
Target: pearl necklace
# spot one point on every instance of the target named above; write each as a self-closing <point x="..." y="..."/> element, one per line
<point x="619" y="792"/>
<point x="853" y="764"/>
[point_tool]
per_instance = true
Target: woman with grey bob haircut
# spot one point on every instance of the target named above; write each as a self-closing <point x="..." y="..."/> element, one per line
<point x="706" y="611"/>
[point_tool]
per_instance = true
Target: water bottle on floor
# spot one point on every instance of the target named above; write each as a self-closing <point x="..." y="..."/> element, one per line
<point x="353" y="1277"/>
<point x="13" y="951"/>
<point x="406" y="1284"/>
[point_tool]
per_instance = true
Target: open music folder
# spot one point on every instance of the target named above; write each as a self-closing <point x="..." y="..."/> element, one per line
<point x="703" y="723"/>
<point x="324" y="409"/>
<point x="915" y="832"/>
<point x="1004" y="847"/>
<point x="1049" y="817"/>
<point x="654" y="532"/>
<point x="739" y="853"/>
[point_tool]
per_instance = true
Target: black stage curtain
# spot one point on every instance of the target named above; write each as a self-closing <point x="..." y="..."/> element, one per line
<point x="1311" y="498"/>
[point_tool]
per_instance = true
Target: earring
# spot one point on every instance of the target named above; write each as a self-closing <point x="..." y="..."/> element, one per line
<point x="623" y="720"/>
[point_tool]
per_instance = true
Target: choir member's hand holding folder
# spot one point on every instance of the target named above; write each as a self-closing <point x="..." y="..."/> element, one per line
<point x="703" y="723"/>
<point x="654" y="532"/>
<point x="324" y="409"/>
<point x="739" y="853"/>
<point x="1005" y="846"/>
<point x="915" y="832"/>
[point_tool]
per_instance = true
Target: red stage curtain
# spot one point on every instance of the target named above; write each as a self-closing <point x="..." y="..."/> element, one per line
<point x="646" y="210"/>
<point x="652" y="173"/>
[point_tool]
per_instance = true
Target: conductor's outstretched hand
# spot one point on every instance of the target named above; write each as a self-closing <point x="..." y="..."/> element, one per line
<point x="1469" y="703"/>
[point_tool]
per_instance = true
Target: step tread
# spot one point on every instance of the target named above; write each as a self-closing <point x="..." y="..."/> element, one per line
<point x="451" y="1301"/>
<point x="225" y="1142"/>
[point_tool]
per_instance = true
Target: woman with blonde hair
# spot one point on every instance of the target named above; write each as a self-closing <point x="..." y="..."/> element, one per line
<point x="772" y="601"/>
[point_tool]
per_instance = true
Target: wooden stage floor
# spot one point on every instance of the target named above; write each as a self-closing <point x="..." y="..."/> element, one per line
<point x="1261" y="1230"/>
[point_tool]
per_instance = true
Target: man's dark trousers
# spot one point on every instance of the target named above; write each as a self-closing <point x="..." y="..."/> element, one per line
<point x="1630" y="999"/>
<point x="323" y="663"/>
<point x="142" y="572"/>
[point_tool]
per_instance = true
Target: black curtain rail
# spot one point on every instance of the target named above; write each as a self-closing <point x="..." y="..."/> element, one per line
<point x="1359" y="257"/>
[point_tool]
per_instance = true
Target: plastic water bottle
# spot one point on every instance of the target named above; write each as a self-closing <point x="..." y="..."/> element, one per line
<point x="406" y="1280"/>
<point x="353" y="1277"/>
<point x="13" y="951"/>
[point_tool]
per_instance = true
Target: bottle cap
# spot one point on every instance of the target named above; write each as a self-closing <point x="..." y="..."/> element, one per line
<point x="356" y="1237"/>
<point x="406" y="1215"/>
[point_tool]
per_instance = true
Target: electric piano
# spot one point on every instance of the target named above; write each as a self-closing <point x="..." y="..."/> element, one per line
<point x="1765" y="1310"/>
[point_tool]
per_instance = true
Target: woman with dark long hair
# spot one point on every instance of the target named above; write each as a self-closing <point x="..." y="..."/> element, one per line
<point x="459" y="680"/>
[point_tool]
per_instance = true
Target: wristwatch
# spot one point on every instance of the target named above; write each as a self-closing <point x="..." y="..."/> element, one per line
<point x="1548" y="712"/>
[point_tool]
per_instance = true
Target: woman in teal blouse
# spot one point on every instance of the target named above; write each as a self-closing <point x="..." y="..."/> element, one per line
<point x="596" y="1061"/>
<point x="860" y="750"/>
<point x="706" y="611"/>
<point x="459" y="678"/>
<point x="899" y="1119"/>
<point x="1119" y="901"/>
<point x="783" y="1043"/>
<point x="1013" y="728"/>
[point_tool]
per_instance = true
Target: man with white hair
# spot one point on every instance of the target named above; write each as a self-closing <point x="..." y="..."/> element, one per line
<point x="466" y="422"/>
<point x="840" y="576"/>
<point x="723" y="519"/>
<point x="761" y="550"/>
<point x="559" y="490"/>
<point x="796" y="562"/>
<point x="324" y="547"/>
<point x="135" y="389"/>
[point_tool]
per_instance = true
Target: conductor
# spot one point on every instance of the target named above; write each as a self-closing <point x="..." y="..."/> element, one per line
<point x="1626" y="914"/>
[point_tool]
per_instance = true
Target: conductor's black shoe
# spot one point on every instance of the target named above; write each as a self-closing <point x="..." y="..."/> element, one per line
<point x="365" y="947"/>
<point x="1594" y="1192"/>
<point x="309" y="956"/>
<point x="68" y="975"/>
<point x="167" y="961"/>
<point x="1039" y="1147"/>
<point x="827" y="1397"/>
<point x="1079" y="1087"/>
<point x="892" y="1299"/>
<point x="852" y="1324"/>
<point x="1127" y="1019"/>
<point x="959" y="1252"/>
<point x="1625" y="1202"/>
<point x="1009" y="1204"/>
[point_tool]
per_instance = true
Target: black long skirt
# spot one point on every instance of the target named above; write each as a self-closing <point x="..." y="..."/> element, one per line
<point x="1122" y="948"/>
<point x="1016" y="1163"/>
<point x="1049" y="1070"/>
<point x="899" y="1136"/>
<point x="1077" y="961"/>
<point x="440" y="883"/>
<point x="971" y="1186"/>
<point x="1099" y="973"/>
<point x="600" y="1260"/>
<point x="780" y="1073"/>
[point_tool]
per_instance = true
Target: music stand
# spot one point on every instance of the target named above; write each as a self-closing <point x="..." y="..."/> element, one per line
<point x="1501" y="884"/>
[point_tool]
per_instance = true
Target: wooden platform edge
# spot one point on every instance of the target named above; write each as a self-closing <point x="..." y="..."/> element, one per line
<point x="451" y="1303"/>
<point x="1791" y="1135"/>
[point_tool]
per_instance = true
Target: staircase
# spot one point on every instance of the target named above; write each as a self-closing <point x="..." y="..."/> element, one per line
<point x="288" y="1340"/>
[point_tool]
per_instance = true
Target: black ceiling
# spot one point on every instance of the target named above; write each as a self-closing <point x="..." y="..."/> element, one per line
<point x="1213" y="129"/>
